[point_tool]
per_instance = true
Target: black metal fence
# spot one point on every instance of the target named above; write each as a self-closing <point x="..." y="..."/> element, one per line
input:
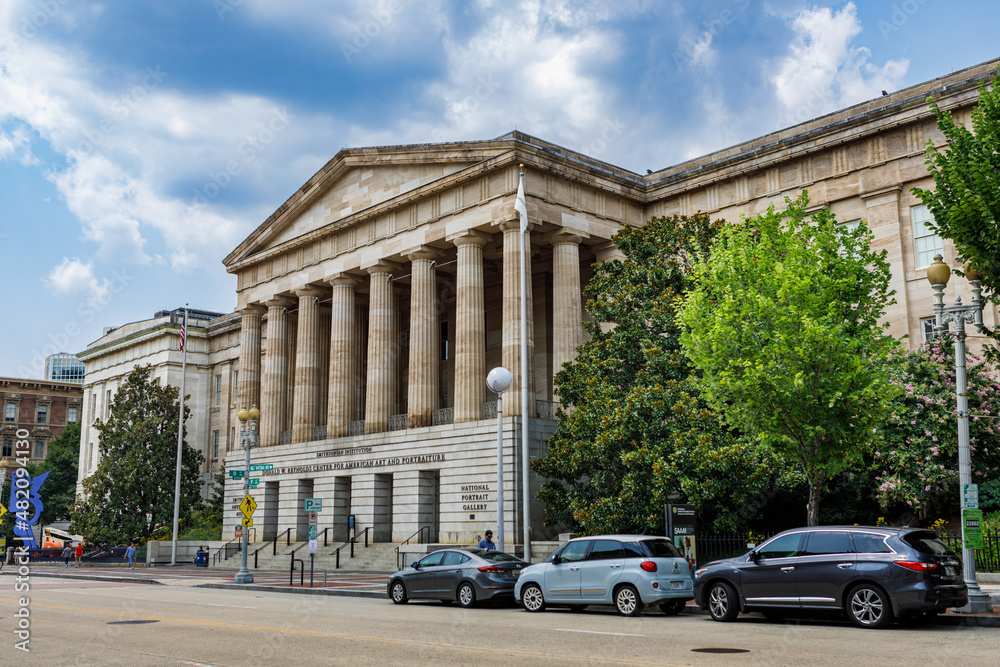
<point x="987" y="558"/>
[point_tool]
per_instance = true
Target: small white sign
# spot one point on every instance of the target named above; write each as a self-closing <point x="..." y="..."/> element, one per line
<point x="970" y="496"/>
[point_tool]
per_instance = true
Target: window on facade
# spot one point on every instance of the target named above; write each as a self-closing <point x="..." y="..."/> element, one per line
<point x="927" y="326"/>
<point x="236" y="384"/>
<point x="444" y="341"/>
<point x="925" y="242"/>
<point x="10" y="412"/>
<point x="93" y="407"/>
<point x="851" y="225"/>
<point x="42" y="414"/>
<point x="107" y="405"/>
<point x="232" y="437"/>
<point x="40" y="448"/>
<point x="218" y="390"/>
<point x="215" y="444"/>
<point x="72" y="414"/>
<point x="8" y="446"/>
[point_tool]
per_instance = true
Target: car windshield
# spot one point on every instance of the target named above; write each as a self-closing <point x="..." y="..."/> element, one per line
<point x="928" y="543"/>
<point x="494" y="556"/>
<point x="661" y="549"/>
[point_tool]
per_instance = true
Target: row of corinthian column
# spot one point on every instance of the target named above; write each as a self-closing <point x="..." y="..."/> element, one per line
<point x="269" y="390"/>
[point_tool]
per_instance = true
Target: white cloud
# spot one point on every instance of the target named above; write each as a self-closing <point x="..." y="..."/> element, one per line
<point x="823" y="72"/>
<point x="72" y="276"/>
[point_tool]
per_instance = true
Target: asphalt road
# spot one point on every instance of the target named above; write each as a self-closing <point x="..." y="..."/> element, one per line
<point x="81" y="623"/>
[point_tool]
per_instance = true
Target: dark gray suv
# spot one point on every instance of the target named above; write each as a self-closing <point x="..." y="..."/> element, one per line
<point x="872" y="574"/>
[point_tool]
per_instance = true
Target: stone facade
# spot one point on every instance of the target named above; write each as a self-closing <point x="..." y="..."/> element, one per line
<point x="371" y="304"/>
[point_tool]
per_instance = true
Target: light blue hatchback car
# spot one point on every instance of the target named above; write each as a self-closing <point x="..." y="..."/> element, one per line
<point x="627" y="571"/>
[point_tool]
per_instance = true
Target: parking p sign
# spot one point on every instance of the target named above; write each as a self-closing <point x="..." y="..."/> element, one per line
<point x="313" y="505"/>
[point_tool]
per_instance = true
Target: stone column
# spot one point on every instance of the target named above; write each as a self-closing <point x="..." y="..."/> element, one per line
<point x="343" y="356"/>
<point x="567" y="303"/>
<point x="382" y="349"/>
<point x="470" y="328"/>
<point x="274" y="393"/>
<point x="305" y="409"/>
<point x="423" y="388"/>
<point x="511" y="357"/>
<point x="248" y="392"/>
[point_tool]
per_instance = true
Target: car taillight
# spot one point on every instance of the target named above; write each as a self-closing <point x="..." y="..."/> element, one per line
<point x="492" y="568"/>
<point x="648" y="566"/>
<point x="915" y="565"/>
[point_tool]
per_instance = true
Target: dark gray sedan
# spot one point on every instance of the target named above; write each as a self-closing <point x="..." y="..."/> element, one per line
<point x="466" y="575"/>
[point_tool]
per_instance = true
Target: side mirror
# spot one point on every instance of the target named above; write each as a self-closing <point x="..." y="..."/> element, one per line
<point x="415" y="565"/>
<point x="556" y="560"/>
<point x="754" y="556"/>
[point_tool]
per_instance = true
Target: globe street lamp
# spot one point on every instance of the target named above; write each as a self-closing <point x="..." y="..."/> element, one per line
<point x="499" y="381"/>
<point x="937" y="274"/>
<point x="248" y="439"/>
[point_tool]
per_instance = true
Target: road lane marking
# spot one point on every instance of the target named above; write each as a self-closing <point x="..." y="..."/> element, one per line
<point x="595" y="632"/>
<point x="333" y="635"/>
<point x="231" y="606"/>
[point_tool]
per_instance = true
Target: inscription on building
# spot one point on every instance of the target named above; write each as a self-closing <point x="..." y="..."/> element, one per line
<point x="473" y="497"/>
<point x="350" y="465"/>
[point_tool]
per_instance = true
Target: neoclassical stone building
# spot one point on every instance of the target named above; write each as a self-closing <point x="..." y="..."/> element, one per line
<point x="372" y="303"/>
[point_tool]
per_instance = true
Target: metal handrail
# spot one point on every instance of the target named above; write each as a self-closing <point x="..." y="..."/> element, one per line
<point x="288" y="541"/>
<point x="420" y="540"/>
<point x="222" y="553"/>
<point x="350" y="543"/>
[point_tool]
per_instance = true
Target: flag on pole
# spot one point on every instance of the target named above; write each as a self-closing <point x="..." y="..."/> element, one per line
<point x="520" y="206"/>
<point x="183" y="330"/>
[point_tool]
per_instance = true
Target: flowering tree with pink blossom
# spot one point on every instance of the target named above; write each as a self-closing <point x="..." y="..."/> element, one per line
<point x="916" y="466"/>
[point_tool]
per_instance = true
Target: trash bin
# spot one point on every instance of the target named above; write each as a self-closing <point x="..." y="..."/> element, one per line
<point x="201" y="558"/>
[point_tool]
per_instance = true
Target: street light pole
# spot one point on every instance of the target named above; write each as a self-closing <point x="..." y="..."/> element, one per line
<point x="499" y="381"/>
<point x="248" y="437"/>
<point x="938" y="274"/>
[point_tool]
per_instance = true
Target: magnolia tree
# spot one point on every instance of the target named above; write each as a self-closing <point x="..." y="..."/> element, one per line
<point x="917" y="463"/>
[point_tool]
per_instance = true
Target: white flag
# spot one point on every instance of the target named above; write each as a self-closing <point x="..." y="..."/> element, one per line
<point x="520" y="206"/>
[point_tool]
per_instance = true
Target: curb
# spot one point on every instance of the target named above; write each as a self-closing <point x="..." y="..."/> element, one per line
<point x="300" y="591"/>
<point x="91" y="577"/>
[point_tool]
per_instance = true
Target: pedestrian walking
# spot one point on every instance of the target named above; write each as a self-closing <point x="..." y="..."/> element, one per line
<point x="487" y="542"/>
<point x="130" y="555"/>
<point x="67" y="554"/>
<point x="79" y="553"/>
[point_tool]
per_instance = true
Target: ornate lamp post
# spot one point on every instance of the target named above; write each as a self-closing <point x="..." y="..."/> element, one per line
<point x="248" y="439"/>
<point x="499" y="381"/>
<point x="938" y="274"/>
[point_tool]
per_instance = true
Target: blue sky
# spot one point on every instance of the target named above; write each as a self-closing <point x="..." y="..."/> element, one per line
<point x="118" y="118"/>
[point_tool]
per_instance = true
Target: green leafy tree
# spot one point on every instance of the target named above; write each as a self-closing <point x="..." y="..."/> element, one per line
<point x="966" y="198"/>
<point x="637" y="433"/>
<point x="784" y="323"/>
<point x="61" y="462"/>
<point x="916" y="466"/>
<point x="131" y="493"/>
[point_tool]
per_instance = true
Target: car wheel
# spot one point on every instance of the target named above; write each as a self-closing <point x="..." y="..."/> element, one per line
<point x="868" y="606"/>
<point x="673" y="607"/>
<point x="397" y="591"/>
<point x="531" y="598"/>
<point x="467" y="595"/>
<point x="723" y="604"/>
<point x="627" y="601"/>
<point x="578" y="607"/>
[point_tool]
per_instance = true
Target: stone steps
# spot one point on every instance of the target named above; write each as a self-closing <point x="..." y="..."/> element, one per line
<point x="380" y="557"/>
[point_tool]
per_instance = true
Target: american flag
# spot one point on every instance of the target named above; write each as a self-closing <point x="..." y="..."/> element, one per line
<point x="183" y="330"/>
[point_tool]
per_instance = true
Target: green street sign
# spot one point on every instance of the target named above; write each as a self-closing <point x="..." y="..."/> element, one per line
<point x="970" y="496"/>
<point x="236" y="474"/>
<point x="261" y="467"/>
<point x="313" y="532"/>
<point x="972" y="524"/>
<point x="254" y="482"/>
<point x="313" y="505"/>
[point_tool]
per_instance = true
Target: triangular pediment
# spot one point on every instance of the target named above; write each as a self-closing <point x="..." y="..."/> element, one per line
<point x="358" y="179"/>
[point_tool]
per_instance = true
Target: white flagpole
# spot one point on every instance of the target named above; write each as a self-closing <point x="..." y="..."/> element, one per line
<point x="522" y="208"/>
<point x="180" y="439"/>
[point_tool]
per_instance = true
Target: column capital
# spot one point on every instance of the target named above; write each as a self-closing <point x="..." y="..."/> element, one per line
<point x="342" y="280"/>
<point x="469" y="237"/>
<point x="252" y="309"/>
<point x="310" y="290"/>
<point x="423" y="252"/>
<point x="278" y="302"/>
<point x="513" y="224"/>
<point x="382" y="266"/>
<point x="564" y="236"/>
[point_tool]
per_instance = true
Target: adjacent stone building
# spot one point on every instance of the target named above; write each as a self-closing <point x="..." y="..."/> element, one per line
<point x="38" y="408"/>
<point x="372" y="304"/>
